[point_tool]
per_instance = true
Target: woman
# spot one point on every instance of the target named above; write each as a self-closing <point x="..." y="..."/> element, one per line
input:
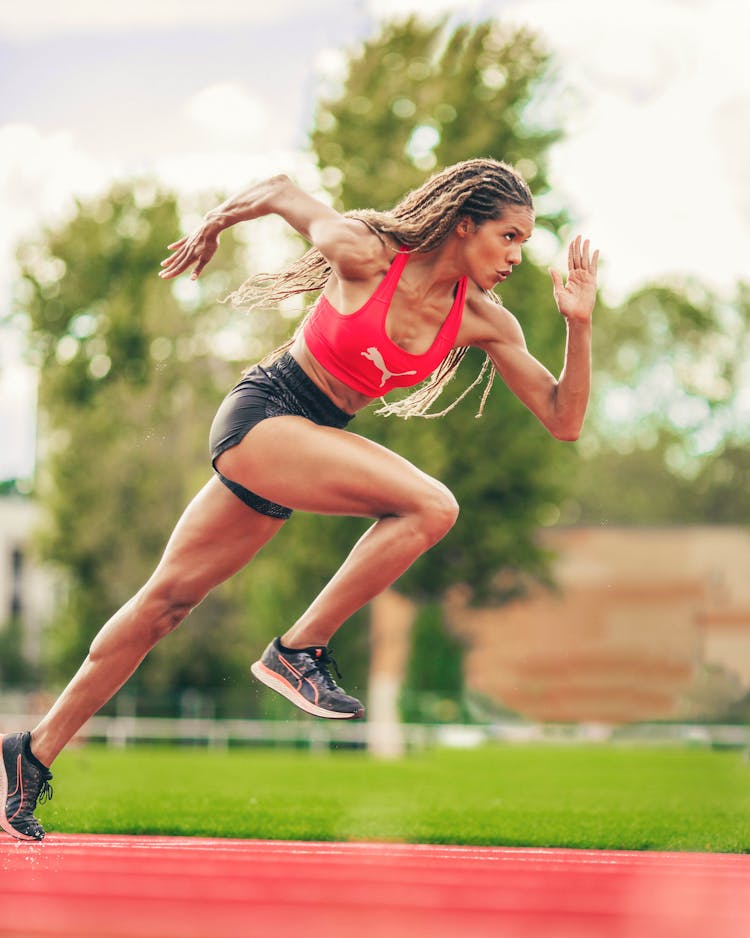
<point x="404" y="293"/>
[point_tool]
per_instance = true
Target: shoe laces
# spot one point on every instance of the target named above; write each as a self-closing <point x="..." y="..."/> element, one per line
<point x="321" y="665"/>
<point x="45" y="792"/>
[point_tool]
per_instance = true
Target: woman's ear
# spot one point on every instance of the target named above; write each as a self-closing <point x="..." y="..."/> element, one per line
<point x="465" y="227"/>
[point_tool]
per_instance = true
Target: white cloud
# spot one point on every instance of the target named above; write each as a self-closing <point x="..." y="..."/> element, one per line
<point x="427" y="9"/>
<point x="38" y="171"/>
<point x="651" y="166"/>
<point x="731" y="122"/>
<point x="44" y="18"/>
<point x="231" y="170"/>
<point x="230" y="112"/>
<point x="40" y="175"/>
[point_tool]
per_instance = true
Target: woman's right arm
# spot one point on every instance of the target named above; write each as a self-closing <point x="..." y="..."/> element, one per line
<point x="335" y="236"/>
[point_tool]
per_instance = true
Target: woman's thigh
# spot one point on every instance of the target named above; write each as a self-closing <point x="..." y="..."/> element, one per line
<point x="295" y="462"/>
<point x="215" y="537"/>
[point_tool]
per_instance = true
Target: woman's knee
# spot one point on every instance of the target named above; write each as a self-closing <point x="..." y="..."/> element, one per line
<point x="155" y="611"/>
<point x="438" y="511"/>
<point x="165" y="603"/>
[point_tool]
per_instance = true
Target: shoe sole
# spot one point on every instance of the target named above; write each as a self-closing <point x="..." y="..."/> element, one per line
<point x="266" y="676"/>
<point x="4" y="822"/>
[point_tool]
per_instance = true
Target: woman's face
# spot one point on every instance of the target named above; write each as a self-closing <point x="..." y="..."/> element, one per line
<point x="493" y="249"/>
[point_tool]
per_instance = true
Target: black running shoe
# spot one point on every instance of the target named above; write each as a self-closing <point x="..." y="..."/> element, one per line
<point x="24" y="781"/>
<point x="302" y="676"/>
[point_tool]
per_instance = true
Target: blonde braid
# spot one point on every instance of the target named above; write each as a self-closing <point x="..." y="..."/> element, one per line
<point x="478" y="189"/>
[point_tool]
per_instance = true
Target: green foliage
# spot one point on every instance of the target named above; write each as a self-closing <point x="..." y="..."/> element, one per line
<point x="418" y="96"/>
<point x="721" y="490"/>
<point x="666" y="438"/>
<point x="434" y="677"/>
<point x="473" y="89"/>
<point x="129" y="384"/>
<point x="13" y="487"/>
<point x="596" y="797"/>
<point x="15" y="669"/>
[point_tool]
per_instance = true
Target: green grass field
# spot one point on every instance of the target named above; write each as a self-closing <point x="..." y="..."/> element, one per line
<point x="556" y="796"/>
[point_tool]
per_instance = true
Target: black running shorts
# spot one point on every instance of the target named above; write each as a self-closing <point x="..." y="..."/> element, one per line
<point x="273" y="391"/>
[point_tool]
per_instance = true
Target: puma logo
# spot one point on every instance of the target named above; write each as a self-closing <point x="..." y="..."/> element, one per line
<point x="374" y="355"/>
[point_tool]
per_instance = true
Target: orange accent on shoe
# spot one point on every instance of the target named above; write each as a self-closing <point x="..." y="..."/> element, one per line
<point x="289" y="683"/>
<point x="291" y="667"/>
<point x="19" y="786"/>
<point x="301" y="677"/>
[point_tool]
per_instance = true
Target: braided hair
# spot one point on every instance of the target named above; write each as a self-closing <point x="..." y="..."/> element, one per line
<point x="478" y="189"/>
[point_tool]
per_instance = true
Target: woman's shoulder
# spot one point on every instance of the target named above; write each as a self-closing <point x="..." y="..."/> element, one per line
<point x="486" y="319"/>
<point x="355" y="250"/>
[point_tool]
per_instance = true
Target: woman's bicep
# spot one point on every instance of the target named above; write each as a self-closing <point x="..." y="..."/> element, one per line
<point x="531" y="382"/>
<point x="306" y="214"/>
<point x="525" y="375"/>
<point x="347" y="244"/>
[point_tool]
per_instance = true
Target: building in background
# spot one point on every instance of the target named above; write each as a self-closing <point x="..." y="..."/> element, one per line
<point x="28" y="590"/>
<point x="645" y="624"/>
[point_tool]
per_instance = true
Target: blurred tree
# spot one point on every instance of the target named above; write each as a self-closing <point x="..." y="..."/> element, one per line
<point x="668" y="425"/>
<point x="419" y="96"/>
<point x="130" y="377"/>
<point x="433" y="688"/>
<point x="15" y="670"/>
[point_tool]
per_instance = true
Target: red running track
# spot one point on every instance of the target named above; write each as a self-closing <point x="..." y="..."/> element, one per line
<point x="74" y="886"/>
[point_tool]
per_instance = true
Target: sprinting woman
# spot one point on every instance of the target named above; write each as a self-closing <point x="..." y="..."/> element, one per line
<point x="403" y="295"/>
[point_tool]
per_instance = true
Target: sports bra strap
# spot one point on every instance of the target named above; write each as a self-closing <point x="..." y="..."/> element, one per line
<point x="388" y="284"/>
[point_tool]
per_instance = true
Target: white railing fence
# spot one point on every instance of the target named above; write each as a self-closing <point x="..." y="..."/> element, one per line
<point x="121" y="731"/>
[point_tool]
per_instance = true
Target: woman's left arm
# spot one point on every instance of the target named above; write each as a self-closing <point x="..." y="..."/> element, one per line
<point x="559" y="403"/>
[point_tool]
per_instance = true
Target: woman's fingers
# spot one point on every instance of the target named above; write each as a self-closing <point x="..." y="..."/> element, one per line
<point x="171" y="261"/>
<point x="580" y="257"/>
<point x="576" y="261"/>
<point x="173" y="267"/>
<point x="185" y="254"/>
<point x="195" y="249"/>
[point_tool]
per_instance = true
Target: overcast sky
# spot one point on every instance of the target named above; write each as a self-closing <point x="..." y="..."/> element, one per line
<point x="212" y="95"/>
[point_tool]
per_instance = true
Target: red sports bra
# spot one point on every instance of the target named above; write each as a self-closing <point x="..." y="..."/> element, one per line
<point x="356" y="349"/>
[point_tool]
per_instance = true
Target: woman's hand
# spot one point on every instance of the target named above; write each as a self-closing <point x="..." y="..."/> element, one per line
<point x="195" y="249"/>
<point x="576" y="298"/>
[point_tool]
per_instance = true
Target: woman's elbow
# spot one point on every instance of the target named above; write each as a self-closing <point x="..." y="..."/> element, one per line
<point x="273" y="191"/>
<point x="567" y="431"/>
<point x="279" y="181"/>
<point x="565" y="421"/>
<point x="566" y="435"/>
